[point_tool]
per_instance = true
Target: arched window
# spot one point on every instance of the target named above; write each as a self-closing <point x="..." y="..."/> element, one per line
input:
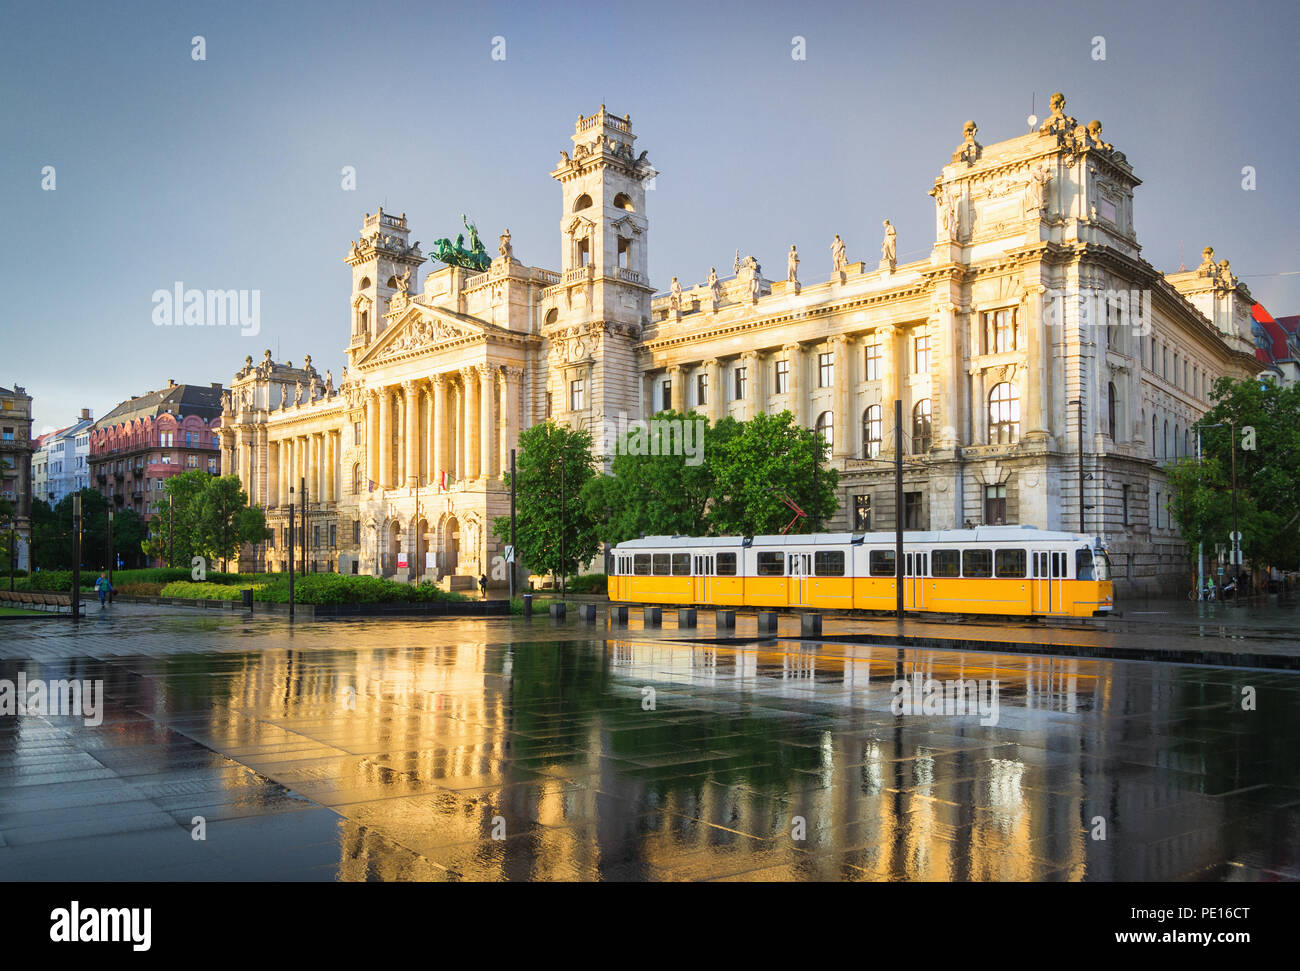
<point x="356" y="479"/>
<point x="582" y="202"/>
<point x="1187" y="441"/>
<point x="552" y="316"/>
<point x="1164" y="441"/>
<point x="826" y="429"/>
<point x="624" y="201"/>
<point x="921" y="427"/>
<point x="1175" y="449"/>
<point x="871" y="432"/>
<point x="1004" y="414"/>
<point x="1110" y="409"/>
<point x="1154" y="451"/>
<point x="364" y="284"/>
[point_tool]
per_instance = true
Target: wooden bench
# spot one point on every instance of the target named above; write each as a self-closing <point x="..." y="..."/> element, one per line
<point x="36" y="598"/>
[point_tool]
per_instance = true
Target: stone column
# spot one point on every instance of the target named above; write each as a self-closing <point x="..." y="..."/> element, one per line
<point x="372" y="438"/>
<point x="488" y="421"/>
<point x="272" y="474"/>
<point x="503" y="421"/>
<point x="888" y="387"/>
<point x="261" y="461"/>
<point x="794" y="355"/>
<point x="385" y="443"/>
<point x="441" y="418"/>
<point x="246" y="462"/>
<point x="1030" y="325"/>
<point x="331" y="474"/>
<point x="753" y="383"/>
<point x="412" y="428"/>
<point x="513" y="419"/>
<point x="471" y="434"/>
<point x="457" y="431"/>
<point x="717" y="393"/>
<point x="947" y="392"/>
<point x="399" y="421"/>
<point x="431" y="418"/>
<point x="841" y="347"/>
<point x="313" y="468"/>
<point x="979" y="408"/>
<point x="675" y="377"/>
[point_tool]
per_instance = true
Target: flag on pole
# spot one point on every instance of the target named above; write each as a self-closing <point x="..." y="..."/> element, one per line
<point x="442" y="481"/>
<point x="372" y="484"/>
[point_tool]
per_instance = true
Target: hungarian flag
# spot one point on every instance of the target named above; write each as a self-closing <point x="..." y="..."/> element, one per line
<point x="442" y="481"/>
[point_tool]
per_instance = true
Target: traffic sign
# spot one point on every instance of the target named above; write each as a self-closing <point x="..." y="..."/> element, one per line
<point x="1235" y="536"/>
<point x="510" y="553"/>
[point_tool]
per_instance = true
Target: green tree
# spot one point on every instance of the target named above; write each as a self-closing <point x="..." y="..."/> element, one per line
<point x="552" y="458"/>
<point x="653" y="492"/>
<point x="770" y="458"/>
<point x="1262" y="428"/>
<point x="203" y="515"/>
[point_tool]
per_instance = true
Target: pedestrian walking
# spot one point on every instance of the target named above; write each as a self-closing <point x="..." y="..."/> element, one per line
<point x="103" y="588"/>
<point x="482" y="585"/>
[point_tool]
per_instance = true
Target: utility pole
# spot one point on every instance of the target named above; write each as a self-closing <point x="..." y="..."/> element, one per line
<point x="76" y="556"/>
<point x="514" y="552"/>
<point x="562" y="564"/>
<point x="171" y="534"/>
<point x="1236" y="536"/>
<point x="110" y="548"/>
<point x="898" y="505"/>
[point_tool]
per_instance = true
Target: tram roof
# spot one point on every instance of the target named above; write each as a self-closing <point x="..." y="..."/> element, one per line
<point x="979" y="534"/>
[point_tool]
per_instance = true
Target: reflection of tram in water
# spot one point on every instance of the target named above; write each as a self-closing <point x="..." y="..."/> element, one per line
<point x="1006" y="570"/>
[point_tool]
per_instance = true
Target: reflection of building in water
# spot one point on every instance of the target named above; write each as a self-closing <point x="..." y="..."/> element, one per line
<point x="444" y="741"/>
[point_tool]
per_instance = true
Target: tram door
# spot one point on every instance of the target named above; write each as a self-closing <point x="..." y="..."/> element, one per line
<point x="799" y="570"/>
<point x="1049" y="581"/>
<point x="702" y="585"/>
<point x="915" y="570"/>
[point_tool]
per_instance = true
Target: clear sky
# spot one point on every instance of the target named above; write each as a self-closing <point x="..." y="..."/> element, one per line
<point x="226" y="173"/>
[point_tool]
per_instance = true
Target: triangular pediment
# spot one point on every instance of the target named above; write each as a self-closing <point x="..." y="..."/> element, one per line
<point x="421" y="329"/>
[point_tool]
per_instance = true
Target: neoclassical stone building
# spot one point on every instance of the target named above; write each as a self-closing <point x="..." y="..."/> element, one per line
<point x="1033" y="307"/>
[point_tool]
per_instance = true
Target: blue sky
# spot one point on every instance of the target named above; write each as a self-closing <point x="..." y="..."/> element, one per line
<point x="225" y="173"/>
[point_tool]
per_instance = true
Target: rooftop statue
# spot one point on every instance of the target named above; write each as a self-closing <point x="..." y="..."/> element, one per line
<point x="474" y="258"/>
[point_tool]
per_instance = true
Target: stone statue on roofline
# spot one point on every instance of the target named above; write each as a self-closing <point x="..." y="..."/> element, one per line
<point x="969" y="150"/>
<point x="715" y="288"/>
<point x="792" y="266"/>
<point x="839" y="257"/>
<point x="1208" y="267"/>
<point x="889" y="247"/>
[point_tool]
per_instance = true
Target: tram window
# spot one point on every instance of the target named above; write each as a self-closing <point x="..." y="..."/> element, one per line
<point x="771" y="564"/>
<point x="641" y="565"/>
<point x="661" y="564"/>
<point x="977" y="563"/>
<point x="829" y="563"/>
<point x="726" y="564"/>
<point x="1083" y="564"/>
<point x="882" y="563"/>
<point x="945" y="563"/>
<point x="1010" y="563"/>
<point x="681" y="564"/>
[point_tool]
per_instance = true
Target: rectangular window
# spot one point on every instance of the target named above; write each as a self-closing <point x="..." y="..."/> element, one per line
<point x="1157" y="510"/>
<point x="681" y="564"/>
<point x="912" y="510"/>
<point x="641" y="564"/>
<point x="782" y="377"/>
<point x="666" y="395"/>
<point x="315" y="537"/>
<point x="873" y="362"/>
<point x="862" y="514"/>
<point x="739" y="384"/>
<point x="921" y="354"/>
<point x="771" y="564"/>
<point x="577" y="395"/>
<point x="881" y="563"/>
<point x="356" y="532"/>
<point x="661" y="564"/>
<point x="702" y="389"/>
<point x="995" y="505"/>
<point x="825" y="370"/>
<point x="358" y="433"/>
<point x="977" y="563"/>
<point x="945" y="563"/>
<point x="726" y="564"/>
<point x="1124" y="499"/>
<point x="828" y="563"/>
<point x="1010" y="563"/>
<point x="549" y="404"/>
<point x="334" y="536"/>
<point x="999" y="331"/>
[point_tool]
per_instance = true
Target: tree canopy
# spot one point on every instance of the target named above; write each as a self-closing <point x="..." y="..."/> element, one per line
<point x="1261" y="423"/>
<point x="203" y="515"/>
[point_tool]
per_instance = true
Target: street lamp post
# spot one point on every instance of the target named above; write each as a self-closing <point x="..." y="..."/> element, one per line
<point x="1079" y="403"/>
<point x="76" y="557"/>
<point x="110" y="548"/>
<point x="13" y="552"/>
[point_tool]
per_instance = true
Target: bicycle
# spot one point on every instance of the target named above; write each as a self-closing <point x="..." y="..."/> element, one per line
<point x="1209" y="593"/>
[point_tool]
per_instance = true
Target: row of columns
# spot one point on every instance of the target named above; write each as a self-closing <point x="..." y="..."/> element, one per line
<point x="312" y="456"/>
<point x="460" y="422"/>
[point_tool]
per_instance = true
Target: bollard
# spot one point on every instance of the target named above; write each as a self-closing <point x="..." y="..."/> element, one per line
<point x="528" y="605"/>
<point x="724" y="619"/>
<point x="618" y="614"/>
<point x="767" y="621"/>
<point x="557" y="611"/>
<point x="685" y="616"/>
<point x="810" y="624"/>
<point x="588" y="613"/>
<point x="248" y="599"/>
<point x="652" y="616"/>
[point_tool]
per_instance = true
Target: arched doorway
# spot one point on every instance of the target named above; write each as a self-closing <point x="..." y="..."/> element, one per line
<point x="451" y="545"/>
<point x="419" y="569"/>
<point x="394" y="547"/>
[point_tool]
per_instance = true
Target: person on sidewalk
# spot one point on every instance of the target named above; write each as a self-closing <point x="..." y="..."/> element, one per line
<point x="103" y="588"/>
<point x="482" y="585"/>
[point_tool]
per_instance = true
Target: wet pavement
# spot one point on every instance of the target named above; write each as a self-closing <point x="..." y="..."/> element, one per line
<point x="504" y="749"/>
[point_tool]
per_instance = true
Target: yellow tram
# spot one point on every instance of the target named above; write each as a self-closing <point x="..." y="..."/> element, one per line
<point x="1004" y="570"/>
